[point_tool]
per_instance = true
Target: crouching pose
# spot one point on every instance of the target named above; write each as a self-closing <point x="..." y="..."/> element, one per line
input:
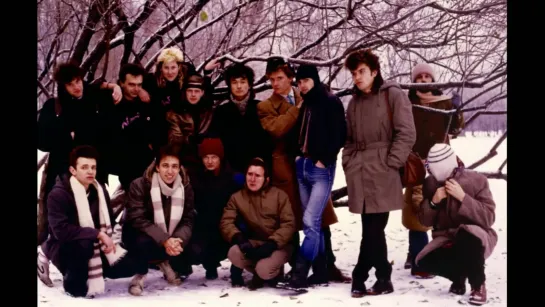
<point x="159" y="219"/>
<point x="258" y="221"/>
<point x="458" y="204"/>
<point x="81" y="224"/>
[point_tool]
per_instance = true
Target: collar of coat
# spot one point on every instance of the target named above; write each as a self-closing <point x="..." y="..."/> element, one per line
<point x="277" y="99"/>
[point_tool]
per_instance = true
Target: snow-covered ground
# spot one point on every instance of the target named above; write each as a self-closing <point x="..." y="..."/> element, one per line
<point x="197" y="291"/>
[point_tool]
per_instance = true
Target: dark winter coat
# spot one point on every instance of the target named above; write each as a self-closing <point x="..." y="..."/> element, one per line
<point x="475" y="214"/>
<point x="85" y="117"/>
<point x="63" y="217"/>
<point x="139" y="215"/>
<point x="371" y="157"/>
<point x="325" y="128"/>
<point x="129" y="151"/>
<point x="242" y="136"/>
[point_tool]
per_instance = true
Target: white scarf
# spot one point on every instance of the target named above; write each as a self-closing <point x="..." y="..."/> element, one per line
<point x="95" y="281"/>
<point x="158" y="186"/>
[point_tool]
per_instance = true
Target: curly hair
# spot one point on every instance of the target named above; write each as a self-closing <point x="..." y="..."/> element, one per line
<point x="168" y="55"/>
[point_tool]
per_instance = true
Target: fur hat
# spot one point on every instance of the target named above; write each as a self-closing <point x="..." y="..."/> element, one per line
<point x="308" y="71"/>
<point x="441" y="161"/>
<point x="422" y="68"/>
<point x="211" y="146"/>
<point x="171" y="54"/>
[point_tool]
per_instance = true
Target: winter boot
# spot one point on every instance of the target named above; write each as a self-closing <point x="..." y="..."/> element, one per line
<point x="336" y="275"/>
<point x="136" y="287"/>
<point x="421" y="274"/>
<point x="43" y="269"/>
<point x="169" y="273"/>
<point x="358" y="288"/>
<point x="408" y="262"/>
<point x="478" y="295"/>
<point x="319" y="271"/>
<point x="381" y="286"/>
<point x="256" y="283"/>
<point x="236" y="277"/>
<point x="299" y="274"/>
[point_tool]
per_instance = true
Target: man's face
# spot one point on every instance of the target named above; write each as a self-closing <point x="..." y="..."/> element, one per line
<point x="132" y="86"/>
<point x="85" y="171"/>
<point x="305" y="85"/>
<point x="255" y="178"/>
<point x="168" y="169"/>
<point x="239" y="87"/>
<point x="170" y="70"/>
<point x="211" y="162"/>
<point x="280" y="82"/>
<point x="75" y="88"/>
<point x="193" y="95"/>
<point x="363" y="77"/>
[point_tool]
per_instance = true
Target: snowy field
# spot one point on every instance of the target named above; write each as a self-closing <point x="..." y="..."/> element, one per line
<point x="409" y="291"/>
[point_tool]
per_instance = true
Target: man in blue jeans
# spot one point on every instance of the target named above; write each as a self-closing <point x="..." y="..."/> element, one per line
<point x="322" y="133"/>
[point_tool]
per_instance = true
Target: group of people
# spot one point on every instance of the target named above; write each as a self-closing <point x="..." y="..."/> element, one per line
<point x="239" y="178"/>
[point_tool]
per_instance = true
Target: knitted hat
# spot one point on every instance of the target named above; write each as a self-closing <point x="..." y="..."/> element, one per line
<point x="441" y="161"/>
<point x="211" y="146"/>
<point x="308" y="71"/>
<point x="420" y="69"/>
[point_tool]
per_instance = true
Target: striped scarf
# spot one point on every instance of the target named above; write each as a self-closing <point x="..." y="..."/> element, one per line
<point x="95" y="281"/>
<point x="158" y="186"/>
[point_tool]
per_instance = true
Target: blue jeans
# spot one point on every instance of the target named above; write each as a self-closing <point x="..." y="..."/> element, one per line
<point x="417" y="241"/>
<point x="314" y="189"/>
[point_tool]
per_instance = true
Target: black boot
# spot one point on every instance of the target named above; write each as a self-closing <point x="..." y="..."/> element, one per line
<point x="358" y="288"/>
<point x="256" y="283"/>
<point x="236" y="277"/>
<point x="319" y="271"/>
<point x="299" y="274"/>
<point x="381" y="286"/>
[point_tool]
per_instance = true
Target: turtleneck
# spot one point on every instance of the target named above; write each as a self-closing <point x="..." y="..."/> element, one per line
<point x="241" y="104"/>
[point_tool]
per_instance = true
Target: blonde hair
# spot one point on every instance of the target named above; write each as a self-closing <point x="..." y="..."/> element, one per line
<point x="171" y="54"/>
<point x="167" y="55"/>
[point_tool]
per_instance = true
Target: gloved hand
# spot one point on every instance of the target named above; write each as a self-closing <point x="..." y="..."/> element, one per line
<point x="262" y="251"/>
<point x="242" y="242"/>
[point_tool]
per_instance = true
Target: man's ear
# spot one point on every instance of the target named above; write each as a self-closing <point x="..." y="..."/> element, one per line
<point x="72" y="171"/>
<point x="374" y="73"/>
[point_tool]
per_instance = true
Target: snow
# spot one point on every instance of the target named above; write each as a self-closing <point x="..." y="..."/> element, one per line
<point x="346" y="234"/>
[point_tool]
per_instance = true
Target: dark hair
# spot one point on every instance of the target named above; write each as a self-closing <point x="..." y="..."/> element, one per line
<point x="83" y="151"/>
<point x="367" y="57"/>
<point x="275" y="64"/>
<point x="167" y="151"/>
<point x="259" y="162"/>
<point x="66" y="72"/>
<point x="239" y="71"/>
<point x="132" y="69"/>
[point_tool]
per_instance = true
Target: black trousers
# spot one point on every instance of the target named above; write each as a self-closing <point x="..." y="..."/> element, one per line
<point x="73" y="263"/>
<point x="208" y="251"/>
<point x="296" y="242"/>
<point x="373" y="249"/>
<point x="147" y="250"/>
<point x="464" y="259"/>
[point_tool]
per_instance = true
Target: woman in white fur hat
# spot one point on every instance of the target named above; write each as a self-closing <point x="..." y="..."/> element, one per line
<point x="458" y="204"/>
<point x="431" y="128"/>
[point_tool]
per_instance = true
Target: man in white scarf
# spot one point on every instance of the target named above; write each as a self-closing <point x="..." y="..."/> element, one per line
<point x="81" y="223"/>
<point x="159" y="219"/>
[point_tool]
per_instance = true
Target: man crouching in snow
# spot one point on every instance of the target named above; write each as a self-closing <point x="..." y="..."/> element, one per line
<point x="262" y="245"/>
<point x="458" y="204"/>
<point x="159" y="219"/>
<point x="81" y="223"/>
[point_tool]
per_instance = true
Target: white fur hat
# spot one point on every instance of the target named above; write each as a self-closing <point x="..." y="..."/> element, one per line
<point x="441" y="161"/>
<point x="420" y="69"/>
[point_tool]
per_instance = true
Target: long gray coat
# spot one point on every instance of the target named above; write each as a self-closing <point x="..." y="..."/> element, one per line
<point x="476" y="214"/>
<point x="371" y="159"/>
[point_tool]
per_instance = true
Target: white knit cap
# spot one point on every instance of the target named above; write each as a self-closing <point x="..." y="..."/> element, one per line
<point x="441" y="161"/>
<point x="420" y="69"/>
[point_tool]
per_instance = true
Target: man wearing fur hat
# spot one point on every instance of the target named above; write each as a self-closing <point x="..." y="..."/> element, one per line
<point x="278" y="115"/>
<point x="263" y="245"/>
<point x="81" y="224"/>
<point x="159" y="218"/>
<point x="213" y="185"/>
<point x="431" y="128"/>
<point x="458" y="204"/>
<point x="322" y="133"/>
